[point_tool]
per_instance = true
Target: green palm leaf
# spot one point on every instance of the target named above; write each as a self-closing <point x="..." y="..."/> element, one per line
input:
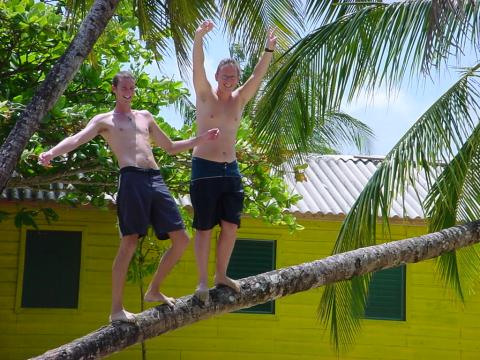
<point x="172" y="20"/>
<point x="455" y="197"/>
<point x="251" y="19"/>
<point x="339" y="129"/>
<point x="364" y="50"/>
<point x="327" y="11"/>
<point x="162" y="21"/>
<point x="440" y="14"/>
<point x="186" y="109"/>
<point x="438" y="135"/>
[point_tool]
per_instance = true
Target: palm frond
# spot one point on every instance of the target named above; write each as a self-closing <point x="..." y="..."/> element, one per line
<point x="339" y="129"/>
<point x="328" y="11"/>
<point x="186" y="109"/>
<point x="440" y="14"/>
<point x="251" y="19"/>
<point x="455" y="197"/>
<point x="174" y="20"/>
<point x="77" y="9"/>
<point x="437" y="135"/>
<point x="372" y="47"/>
<point x="296" y="129"/>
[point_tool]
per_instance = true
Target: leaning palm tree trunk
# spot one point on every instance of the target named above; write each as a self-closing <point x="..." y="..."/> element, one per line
<point x="265" y="287"/>
<point x="54" y="85"/>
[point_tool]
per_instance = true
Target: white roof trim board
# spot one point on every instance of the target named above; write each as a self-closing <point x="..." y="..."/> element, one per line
<point x="333" y="183"/>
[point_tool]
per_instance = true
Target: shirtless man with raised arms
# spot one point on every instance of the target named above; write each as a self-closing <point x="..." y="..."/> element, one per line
<point x="143" y="197"/>
<point x="216" y="189"/>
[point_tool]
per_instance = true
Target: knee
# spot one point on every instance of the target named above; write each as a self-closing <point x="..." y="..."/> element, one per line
<point x="203" y="235"/>
<point x="129" y="243"/>
<point x="229" y="228"/>
<point x="180" y="241"/>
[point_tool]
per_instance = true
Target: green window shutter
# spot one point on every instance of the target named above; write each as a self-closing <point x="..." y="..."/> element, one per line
<point x="52" y="269"/>
<point x="252" y="257"/>
<point x="386" y="295"/>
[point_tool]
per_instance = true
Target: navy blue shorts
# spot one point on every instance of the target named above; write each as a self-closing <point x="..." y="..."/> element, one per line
<point x="216" y="192"/>
<point x="143" y="199"/>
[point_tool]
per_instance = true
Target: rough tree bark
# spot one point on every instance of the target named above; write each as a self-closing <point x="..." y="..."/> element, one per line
<point x="265" y="287"/>
<point x="54" y="85"/>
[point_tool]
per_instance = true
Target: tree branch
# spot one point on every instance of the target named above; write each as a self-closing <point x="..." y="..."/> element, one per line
<point x="33" y="182"/>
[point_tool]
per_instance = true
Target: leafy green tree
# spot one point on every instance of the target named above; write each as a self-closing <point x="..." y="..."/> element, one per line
<point x="158" y="21"/>
<point x="359" y="46"/>
<point x="91" y="171"/>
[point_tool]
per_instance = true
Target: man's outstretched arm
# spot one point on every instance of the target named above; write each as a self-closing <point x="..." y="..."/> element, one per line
<point x="200" y="81"/>
<point x="248" y="90"/>
<point x="71" y="143"/>
<point x="174" y="147"/>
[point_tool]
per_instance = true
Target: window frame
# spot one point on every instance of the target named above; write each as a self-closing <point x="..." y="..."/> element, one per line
<point x="21" y="270"/>
<point x="403" y="290"/>
<point x="274" y="239"/>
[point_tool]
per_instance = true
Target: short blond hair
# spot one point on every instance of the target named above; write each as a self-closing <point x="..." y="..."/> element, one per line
<point x="229" y="61"/>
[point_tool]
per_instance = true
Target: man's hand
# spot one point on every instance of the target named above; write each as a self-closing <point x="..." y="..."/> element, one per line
<point x="45" y="157"/>
<point x="271" y="40"/>
<point x="204" y="28"/>
<point x="209" y="135"/>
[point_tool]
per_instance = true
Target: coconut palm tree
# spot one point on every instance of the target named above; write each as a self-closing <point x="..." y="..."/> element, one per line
<point x="363" y="46"/>
<point x="159" y="20"/>
<point x="264" y="287"/>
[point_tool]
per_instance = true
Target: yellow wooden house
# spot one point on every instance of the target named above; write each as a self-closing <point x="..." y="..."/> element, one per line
<point x="55" y="284"/>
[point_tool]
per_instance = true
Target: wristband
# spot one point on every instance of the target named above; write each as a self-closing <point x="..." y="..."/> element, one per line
<point x="268" y="50"/>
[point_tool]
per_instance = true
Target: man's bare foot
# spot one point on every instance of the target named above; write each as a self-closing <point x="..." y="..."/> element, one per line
<point x="202" y="293"/>
<point x="225" y="280"/>
<point x="159" y="297"/>
<point x="123" y="316"/>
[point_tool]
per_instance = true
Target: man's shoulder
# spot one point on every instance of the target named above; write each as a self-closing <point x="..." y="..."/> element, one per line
<point x="144" y="113"/>
<point x="103" y="116"/>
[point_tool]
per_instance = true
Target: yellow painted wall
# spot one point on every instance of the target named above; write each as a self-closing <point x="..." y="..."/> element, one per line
<point x="436" y="328"/>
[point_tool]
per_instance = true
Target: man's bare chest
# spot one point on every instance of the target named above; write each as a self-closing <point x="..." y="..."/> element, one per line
<point x="220" y="114"/>
<point x="126" y="128"/>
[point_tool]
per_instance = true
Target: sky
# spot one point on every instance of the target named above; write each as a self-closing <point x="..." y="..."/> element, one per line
<point x="388" y="116"/>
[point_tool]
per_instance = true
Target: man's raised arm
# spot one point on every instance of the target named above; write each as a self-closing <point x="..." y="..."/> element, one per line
<point x="248" y="90"/>
<point x="200" y="81"/>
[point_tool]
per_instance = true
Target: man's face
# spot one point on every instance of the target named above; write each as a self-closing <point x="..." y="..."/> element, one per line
<point x="227" y="77"/>
<point x="124" y="90"/>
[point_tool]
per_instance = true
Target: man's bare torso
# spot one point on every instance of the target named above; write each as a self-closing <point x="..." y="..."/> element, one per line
<point x="129" y="137"/>
<point x="224" y="114"/>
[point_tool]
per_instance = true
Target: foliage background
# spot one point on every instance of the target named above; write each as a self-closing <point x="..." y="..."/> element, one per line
<point x="33" y="36"/>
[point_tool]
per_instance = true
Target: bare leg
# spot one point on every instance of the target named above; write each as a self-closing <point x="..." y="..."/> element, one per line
<point x="119" y="274"/>
<point x="168" y="261"/>
<point x="225" y="245"/>
<point x="202" y="252"/>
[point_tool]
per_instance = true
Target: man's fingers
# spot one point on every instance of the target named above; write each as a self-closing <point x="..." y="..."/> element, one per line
<point x="207" y="25"/>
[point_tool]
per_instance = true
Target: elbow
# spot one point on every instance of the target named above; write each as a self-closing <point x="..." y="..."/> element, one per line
<point x="171" y="149"/>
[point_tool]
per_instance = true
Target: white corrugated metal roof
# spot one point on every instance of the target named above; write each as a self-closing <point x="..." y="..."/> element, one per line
<point x="333" y="182"/>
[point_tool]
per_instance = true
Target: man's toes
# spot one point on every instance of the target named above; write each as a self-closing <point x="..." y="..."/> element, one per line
<point x="170" y="301"/>
<point x="123" y="316"/>
<point x="203" y="295"/>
